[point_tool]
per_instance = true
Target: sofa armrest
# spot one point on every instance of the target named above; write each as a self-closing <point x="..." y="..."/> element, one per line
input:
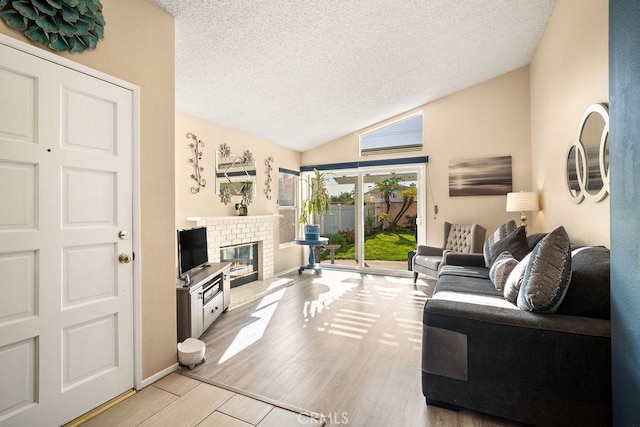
<point x="463" y="259"/>
<point x="544" y="369"/>
<point x="424" y="250"/>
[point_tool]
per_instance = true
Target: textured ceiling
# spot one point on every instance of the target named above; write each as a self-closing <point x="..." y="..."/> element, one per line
<point x="301" y="73"/>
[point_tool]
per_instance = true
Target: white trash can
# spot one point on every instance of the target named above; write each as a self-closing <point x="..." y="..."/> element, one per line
<point x="191" y="352"/>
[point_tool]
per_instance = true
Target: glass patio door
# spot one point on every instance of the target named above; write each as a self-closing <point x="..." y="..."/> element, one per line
<point x="390" y="212"/>
<point x="373" y="220"/>
<point x="342" y="221"/>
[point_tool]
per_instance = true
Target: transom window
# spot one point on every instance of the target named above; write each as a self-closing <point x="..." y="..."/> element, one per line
<point x="400" y="136"/>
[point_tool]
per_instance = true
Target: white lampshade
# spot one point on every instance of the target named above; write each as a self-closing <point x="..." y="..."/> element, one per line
<point x="522" y="201"/>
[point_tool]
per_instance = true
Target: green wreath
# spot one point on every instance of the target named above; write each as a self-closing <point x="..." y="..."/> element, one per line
<point x="63" y="25"/>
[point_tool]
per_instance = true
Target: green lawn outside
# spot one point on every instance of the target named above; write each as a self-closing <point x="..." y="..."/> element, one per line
<point x="385" y="246"/>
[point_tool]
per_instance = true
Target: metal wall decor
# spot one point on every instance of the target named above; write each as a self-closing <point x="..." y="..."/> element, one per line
<point x="62" y="25"/>
<point x="235" y="175"/>
<point x="267" y="183"/>
<point x="197" y="156"/>
<point x="588" y="157"/>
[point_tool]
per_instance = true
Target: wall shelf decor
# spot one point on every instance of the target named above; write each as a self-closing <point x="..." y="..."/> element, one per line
<point x="267" y="183"/>
<point x="235" y="175"/>
<point x="197" y="156"/>
<point x="62" y="25"/>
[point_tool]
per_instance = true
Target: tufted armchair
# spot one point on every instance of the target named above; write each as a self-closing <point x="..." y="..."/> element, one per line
<point x="458" y="238"/>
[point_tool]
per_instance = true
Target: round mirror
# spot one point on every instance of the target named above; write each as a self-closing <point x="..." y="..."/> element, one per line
<point x="604" y="159"/>
<point x="591" y="135"/>
<point x="588" y="157"/>
<point x="573" y="163"/>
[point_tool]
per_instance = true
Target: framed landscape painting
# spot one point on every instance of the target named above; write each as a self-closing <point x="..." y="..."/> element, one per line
<point x="488" y="176"/>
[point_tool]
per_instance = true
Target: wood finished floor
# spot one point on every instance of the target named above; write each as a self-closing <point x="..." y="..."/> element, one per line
<point x="345" y="345"/>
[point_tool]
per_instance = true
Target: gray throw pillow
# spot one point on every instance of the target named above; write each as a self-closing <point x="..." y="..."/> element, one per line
<point x="515" y="243"/>
<point x="501" y="268"/>
<point x="514" y="281"/>
<point x="548" y="273"/>
<point x="589" y="292"/>
<point x="503" y="231"/>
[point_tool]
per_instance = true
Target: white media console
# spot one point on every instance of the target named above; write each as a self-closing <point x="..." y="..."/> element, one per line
<point x="201" y="301"/>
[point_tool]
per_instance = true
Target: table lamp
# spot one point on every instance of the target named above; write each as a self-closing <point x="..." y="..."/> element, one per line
<point x="522" y="201"/>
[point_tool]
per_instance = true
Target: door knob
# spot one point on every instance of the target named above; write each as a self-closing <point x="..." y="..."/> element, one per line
<point x="124" y="258"/>
<point x="123" y="234"/>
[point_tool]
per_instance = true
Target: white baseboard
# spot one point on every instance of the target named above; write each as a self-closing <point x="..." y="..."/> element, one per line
<point x="155" y="377"/>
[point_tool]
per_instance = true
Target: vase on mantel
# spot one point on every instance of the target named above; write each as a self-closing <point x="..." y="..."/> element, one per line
<point x="241" y="209"/>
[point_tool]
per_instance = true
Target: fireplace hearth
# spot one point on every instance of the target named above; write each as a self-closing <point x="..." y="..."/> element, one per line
<point x="244" y="262"/>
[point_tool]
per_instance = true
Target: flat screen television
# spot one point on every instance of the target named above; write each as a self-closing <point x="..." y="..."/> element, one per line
<point x="192" y="251"/>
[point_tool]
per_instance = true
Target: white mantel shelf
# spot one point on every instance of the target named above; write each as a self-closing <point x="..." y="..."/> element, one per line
<point x="198" y="218"/>
<point x="237" y="230"/>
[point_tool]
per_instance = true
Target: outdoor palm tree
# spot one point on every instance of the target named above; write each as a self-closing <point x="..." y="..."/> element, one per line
<point x="409" y="194"/>
<point x="387" y="187"/>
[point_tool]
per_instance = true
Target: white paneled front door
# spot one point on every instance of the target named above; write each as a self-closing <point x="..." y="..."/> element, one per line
<point x="66" y="301"/>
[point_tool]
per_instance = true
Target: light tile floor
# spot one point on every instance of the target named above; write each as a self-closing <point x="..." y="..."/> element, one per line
<point x="176" y="400"/>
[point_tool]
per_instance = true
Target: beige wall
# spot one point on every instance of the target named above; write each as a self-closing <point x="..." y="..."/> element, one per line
<point x="490" y="119"/>
<point x="207" y="202"/>
<point x="570" y="71"/>
<point x="143" y="54"/>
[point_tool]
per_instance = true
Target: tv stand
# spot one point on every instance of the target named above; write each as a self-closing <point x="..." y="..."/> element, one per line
<point x="201" y="297"/>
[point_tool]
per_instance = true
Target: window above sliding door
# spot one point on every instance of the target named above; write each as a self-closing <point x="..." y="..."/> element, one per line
<point x="400" y="136"/>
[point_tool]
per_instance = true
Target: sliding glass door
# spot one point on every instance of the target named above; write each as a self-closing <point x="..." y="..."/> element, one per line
<point x="374" y="217"/>
<point x="390" y="213"/>
<point x="342" y="221"/>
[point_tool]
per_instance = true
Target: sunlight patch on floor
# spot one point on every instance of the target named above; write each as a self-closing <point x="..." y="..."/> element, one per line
<point x="316" y="306"/>
<point x="254" y="331"/>
<point x="270" y="299"/>
<point x="417" y="328"/>
<point x="351" y="316"/>
<point x="345" y="334"/>
<point x="349" y="328"/>
<point x="361" y="301"/>
<point x="369" y="315"/>
<point x="351" y="322"/>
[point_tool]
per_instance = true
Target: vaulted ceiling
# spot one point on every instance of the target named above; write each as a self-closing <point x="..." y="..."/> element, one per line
<point x="300" y="73"/>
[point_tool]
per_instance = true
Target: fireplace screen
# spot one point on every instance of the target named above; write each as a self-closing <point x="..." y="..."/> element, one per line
<point x="244" y="262"/>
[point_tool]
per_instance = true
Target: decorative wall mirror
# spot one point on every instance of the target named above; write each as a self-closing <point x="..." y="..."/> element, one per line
<point x="235" y="175"/>
<point x="588" y="157"/>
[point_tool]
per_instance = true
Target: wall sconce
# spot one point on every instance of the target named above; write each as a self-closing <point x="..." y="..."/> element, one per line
<point x="522" y="202"/>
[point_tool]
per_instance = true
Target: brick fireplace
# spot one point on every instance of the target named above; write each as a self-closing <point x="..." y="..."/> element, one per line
<point x="235" y="230"/>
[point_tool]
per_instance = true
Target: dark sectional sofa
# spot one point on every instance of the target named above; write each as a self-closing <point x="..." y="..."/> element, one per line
<point x="481" y="352"/>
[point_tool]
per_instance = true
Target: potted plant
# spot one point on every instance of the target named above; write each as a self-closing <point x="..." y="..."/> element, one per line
<point x="315" y="206"/>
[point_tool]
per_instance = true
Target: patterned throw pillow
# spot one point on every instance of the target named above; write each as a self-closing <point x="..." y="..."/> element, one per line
<point x="547" y="275"/>
<point x="514" y="281"/>
<point x="503" y="231"/>
<point x="501" y="268"/>
<point x="515" y="243"/>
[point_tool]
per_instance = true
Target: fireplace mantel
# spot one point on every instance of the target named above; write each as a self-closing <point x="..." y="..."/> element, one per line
<point x="236" y="230"/>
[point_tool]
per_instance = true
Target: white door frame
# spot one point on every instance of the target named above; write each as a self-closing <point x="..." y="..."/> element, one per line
<point x="135" y="90"/>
